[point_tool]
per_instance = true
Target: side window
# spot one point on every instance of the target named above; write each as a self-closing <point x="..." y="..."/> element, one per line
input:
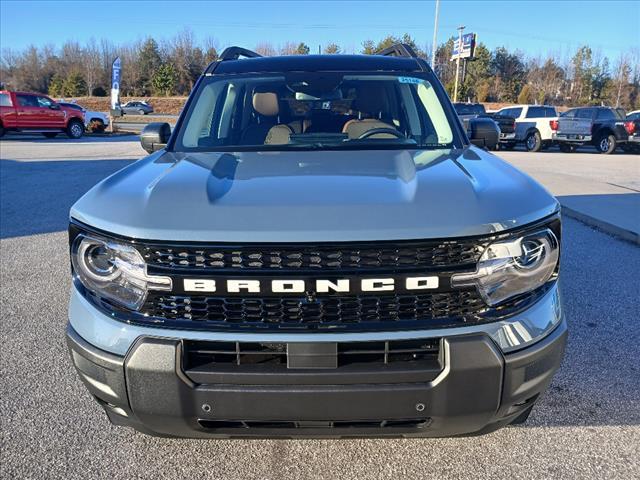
<point x="605" y="115"/>
<point x="5" y="100"/>
<point x="585" y="113"/>
<point x="634" y="116"/>
<point x="535" y="112"/>
<point x="44" y="102"/>
<point x="27" y="100"/>
<point x="550" y="112"/>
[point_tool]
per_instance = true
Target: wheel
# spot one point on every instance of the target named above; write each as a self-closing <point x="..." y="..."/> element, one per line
<point x="140" y="112"/>
<point x="75" y="129"/>
<point x="96" y="126"/>
<point x="607" y="144"/>
<point x="50" y="134"/>
<point x="566" y="148"/>
<point x="533" y="142"/>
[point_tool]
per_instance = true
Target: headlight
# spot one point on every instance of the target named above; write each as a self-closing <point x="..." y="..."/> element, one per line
<point x="114" y="271"/>
<point x="509" y="268"/>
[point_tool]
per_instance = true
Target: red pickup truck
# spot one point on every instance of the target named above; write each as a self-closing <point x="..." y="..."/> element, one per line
<point x="35" y="112"/>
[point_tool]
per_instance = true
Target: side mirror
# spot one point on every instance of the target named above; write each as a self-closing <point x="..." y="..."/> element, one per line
<point x="155" y="136"/>
<point x="54" y="106"/>
<point x="483" y="132"/>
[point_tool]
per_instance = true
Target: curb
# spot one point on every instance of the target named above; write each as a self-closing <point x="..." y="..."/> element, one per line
<point x="606" y="227"/>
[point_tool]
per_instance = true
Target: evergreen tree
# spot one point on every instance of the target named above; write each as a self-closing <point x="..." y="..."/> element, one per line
<point x="74" y="85"/>
<point x="164" y="79"/>
<point x="56" y="86"/>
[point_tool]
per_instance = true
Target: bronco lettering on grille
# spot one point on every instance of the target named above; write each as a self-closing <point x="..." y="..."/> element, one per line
<point x="283" y="286"/>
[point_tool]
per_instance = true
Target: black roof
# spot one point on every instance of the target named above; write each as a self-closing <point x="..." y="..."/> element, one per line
<point x="319" y="63"/>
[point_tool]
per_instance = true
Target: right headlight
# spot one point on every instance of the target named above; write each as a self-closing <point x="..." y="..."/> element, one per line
<point x="512" y="267"/>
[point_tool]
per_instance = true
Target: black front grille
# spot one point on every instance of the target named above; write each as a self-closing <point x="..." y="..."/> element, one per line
<point x="323" y="257"/>
<point x="213" y="354"/>
<point x="344" y="426"/>
<point x="429" y="310"/>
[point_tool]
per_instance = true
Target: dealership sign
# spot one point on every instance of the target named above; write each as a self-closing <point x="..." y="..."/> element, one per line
<point x="115" y="83"/>
<point x="464" y="47"/>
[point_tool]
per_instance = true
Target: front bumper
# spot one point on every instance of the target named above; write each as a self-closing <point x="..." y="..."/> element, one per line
<point x="475" y="388"/>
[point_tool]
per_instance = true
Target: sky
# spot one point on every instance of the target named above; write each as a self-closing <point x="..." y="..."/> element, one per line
<point x="534" y="27"/>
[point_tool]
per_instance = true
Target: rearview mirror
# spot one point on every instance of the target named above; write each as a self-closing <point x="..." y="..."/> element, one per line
<point x="155" y="136"/>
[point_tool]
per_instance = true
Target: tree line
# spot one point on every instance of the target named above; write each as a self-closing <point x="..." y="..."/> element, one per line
<point x="171" y="67"/>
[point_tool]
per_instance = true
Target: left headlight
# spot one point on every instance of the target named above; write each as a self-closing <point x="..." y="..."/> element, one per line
<point x="114" y="271"/>
<point x="512" y="267"/>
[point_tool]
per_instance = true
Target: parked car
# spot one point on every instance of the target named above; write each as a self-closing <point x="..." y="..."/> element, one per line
<point x="93" y="121"/>
<point x="532" y="125"/>
<point x="633" y="144"/>
<point x="603" y="127"/>
<point x="37" y="113"/>
<point x="478" y="124"/>
<point x="136" y="108"/>
<point x="316" y="250"/>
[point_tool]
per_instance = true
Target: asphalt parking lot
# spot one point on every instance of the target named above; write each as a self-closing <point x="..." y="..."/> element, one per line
<point x="586" y="426"/>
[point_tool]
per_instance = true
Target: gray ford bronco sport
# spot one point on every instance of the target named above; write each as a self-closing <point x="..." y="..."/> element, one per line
<point x="316" y="250"/>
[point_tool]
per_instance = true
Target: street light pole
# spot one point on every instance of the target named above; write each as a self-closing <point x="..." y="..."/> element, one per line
<point x="455" y="88"/>
<point x="435" y="37"/>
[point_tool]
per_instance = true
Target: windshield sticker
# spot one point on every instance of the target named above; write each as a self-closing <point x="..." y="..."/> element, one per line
<point x="412" y="80"/>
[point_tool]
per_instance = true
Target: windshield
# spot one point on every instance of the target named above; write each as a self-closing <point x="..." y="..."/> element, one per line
<point x="319" y="110"/>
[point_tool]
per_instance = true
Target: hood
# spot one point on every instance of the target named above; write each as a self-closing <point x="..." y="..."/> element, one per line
<point x="314" y="196"/>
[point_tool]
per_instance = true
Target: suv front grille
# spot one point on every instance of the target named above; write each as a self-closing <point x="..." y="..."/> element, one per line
<point x="455" y="307"/>
<point x="334" y="257"/>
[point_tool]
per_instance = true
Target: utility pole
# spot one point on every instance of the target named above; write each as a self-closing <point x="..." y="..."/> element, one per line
<point x="434" y="46"/>
<point x="455" y="88"/>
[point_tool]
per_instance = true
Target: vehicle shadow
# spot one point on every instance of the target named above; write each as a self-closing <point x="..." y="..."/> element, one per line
<point x="62" y="138"/>
<point x="35" y="197"/>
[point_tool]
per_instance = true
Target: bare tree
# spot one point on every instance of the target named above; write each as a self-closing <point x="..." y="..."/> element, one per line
<point x="266" y="49"/>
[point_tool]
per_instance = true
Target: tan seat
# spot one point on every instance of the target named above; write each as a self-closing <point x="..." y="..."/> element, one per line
<point x="266" y="105"/>
<point x="371" y="104"/>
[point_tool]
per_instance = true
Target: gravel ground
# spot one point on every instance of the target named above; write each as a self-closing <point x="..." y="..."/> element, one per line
<point x="586" y="426"/>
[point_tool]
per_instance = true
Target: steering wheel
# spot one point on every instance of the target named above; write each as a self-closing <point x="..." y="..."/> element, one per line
<point x="375" y="131"/>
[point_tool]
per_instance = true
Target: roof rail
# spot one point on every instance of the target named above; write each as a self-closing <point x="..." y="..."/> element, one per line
<point x="233" y="53"/>
<point x="230" y="53"/>
<point x="399" y="50"/>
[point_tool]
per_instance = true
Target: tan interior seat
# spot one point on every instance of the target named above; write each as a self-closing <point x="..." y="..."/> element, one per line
<point x="371" y="104"/>
<point x="266" y="104"/>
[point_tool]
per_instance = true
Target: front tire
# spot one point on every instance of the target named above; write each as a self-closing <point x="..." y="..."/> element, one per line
<point x="75" y="129"/>
<point x="141" y="112"/>
<point x="533" y="142"/>
<point x="607" y="144"/>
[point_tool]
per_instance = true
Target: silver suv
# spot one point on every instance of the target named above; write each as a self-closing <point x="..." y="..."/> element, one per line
<point x="316" y="250"/>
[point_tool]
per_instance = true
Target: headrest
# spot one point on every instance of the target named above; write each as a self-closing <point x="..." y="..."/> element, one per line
<point x="371" y="98"/>
<point x="266" y="103"/>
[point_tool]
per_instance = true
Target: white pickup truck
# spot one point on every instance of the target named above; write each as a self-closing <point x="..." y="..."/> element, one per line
<point x="533" y="125"/>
